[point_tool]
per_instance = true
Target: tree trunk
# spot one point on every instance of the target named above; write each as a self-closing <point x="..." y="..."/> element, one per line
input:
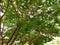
<point x="1" y="38"/>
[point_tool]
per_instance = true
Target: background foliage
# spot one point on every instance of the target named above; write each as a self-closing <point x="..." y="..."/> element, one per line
<point x="34" y="21"/>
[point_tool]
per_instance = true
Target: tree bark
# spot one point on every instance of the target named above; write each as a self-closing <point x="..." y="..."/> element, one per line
<point x="17" y="29"/>
<point x="11" y="36"/>
<point x="1" y="38"/>
<point x="30" y="43"/>
<point x="16" y="36"/>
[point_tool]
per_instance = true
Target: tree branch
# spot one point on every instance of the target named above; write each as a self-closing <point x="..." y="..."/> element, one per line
<point x="18" y="27"/>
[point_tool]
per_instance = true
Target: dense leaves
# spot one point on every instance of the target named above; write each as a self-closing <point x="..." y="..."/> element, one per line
<point x="35" y="22"/>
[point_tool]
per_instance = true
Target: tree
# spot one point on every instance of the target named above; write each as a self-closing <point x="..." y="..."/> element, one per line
<point x="34" y="22"/>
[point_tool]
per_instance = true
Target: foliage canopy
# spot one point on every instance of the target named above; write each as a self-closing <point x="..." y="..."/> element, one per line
<point x="30" y="21"/>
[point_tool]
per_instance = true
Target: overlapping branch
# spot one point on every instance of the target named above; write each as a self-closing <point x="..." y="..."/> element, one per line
<point x="17" y="28"/>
